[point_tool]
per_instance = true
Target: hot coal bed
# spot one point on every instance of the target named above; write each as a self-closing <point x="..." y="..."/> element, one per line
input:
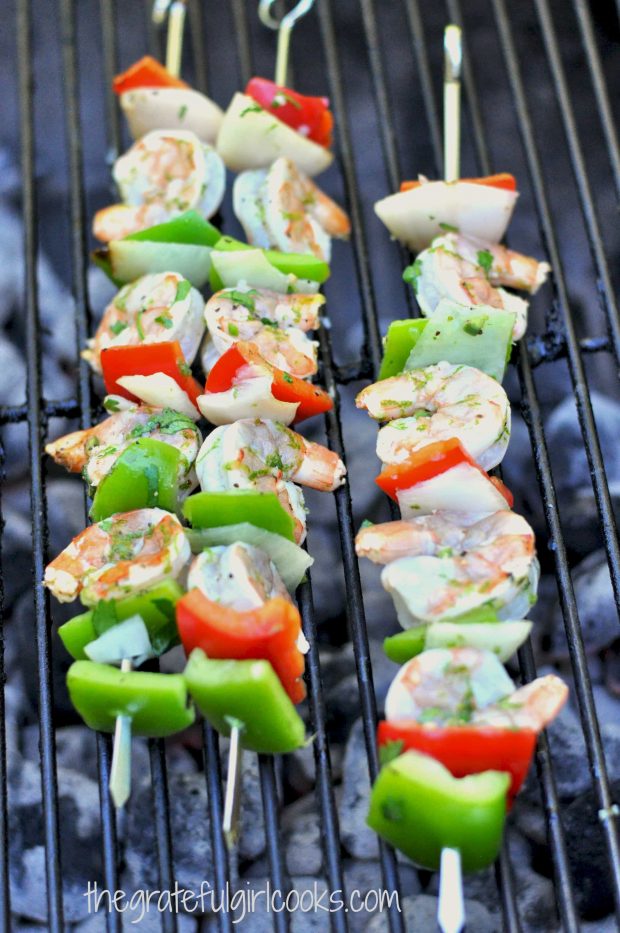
<point x="535" y="104"/>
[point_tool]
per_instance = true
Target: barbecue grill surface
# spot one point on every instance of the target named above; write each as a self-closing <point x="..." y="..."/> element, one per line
<point x="535" y="103"/>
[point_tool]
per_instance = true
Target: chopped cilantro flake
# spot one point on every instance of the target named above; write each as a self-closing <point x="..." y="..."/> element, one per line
<point x="183" y="290"/>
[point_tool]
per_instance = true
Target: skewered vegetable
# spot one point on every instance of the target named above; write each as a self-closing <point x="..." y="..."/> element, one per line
<point x="155" y="607"/>
<point x="423" y="210"/>
<point x="270" y="632"/>
<point x="419" y="807"/>
<point x="248" y="695"/>
<point x="157" y="704"/>
<point x="242" y="384"/>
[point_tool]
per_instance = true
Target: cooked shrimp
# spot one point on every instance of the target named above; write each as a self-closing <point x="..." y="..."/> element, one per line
<point x="441" y="272"/>
<point x="468" y="686"/>
<point x="276" y="323"/>
<point x="492" y="563"/>
<point x="153" y="309"/>
<point x="238" y="575"/>
<point x="164" y="174"/>
<point x="94" y="451"/>
<point x="502" y="266"/>
<point x="425" y="534"/>
<point x="282" y="207"/>
<point x="436" y="403"/>
<point x="122" y="555"/>
<point x="213" y="477"/>
<point x="533" y="706"/>
<point x="257" y="448"/>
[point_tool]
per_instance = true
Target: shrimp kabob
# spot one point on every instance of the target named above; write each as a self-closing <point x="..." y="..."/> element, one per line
<point x="172" y="180"/>
<point x="460" y="565"/>
<point x="230" y="605"/>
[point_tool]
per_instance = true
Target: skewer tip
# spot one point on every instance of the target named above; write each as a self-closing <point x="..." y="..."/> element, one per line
<point x="451" y="907"/>
<point x="453" y="52"/>
<point x="120" y="770"/>
<point x="232" y="797"/>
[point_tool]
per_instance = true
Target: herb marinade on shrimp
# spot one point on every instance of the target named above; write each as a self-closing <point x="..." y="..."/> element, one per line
<point x="214" y="568"/>
<point x="460" y="565"/>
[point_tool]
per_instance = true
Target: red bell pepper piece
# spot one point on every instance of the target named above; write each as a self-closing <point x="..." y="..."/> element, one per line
<point x="310" y="399"/>
<point x="503" y="180"/>
<point x="466" y="749"/>
<point x="146" y="72"/>
<point x="146" y="360"/>
<point x="309" y="116"/>
<point x="428" y="462"/>
<point x="269" y="633"/>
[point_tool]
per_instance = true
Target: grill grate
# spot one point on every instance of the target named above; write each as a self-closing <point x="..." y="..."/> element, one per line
<point x="560" y="341"/>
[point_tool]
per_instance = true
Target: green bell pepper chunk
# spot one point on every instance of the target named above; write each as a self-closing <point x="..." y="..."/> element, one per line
<point x="248" y="694"/>
<point x="189" y="227"/>
<point x="233" y="506"/>
<point x="157" y="704"/>
<point x="398" y="343"/>
<point x="417" y="806"/>
<point x="145" y="476"/>
<point x="406" y="645"/>
<point x="155" y="607"/>
<point x="480" y="337"/>
<point x="455" y="334"/>
<point x="303" y="265"/>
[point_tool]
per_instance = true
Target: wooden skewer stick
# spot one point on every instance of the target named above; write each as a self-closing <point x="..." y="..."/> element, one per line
<point x="176" y="11"/>
<point x="451" y="909"/>
<point x="232" y="796"/>
<point x="451" y="905"/>
<point x="120" y="771"/>
<point x="452" y="103"/>
<point x="285" y="28"/>
<point x="174" y="43"/>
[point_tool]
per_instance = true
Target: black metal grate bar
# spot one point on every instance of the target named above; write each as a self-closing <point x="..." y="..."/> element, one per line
<point x="5" y="891"/>
<point x="601" y="93"/>
<point x="584" y="190"/>
<point x="269" y="794"/>
<point x="49" y="785"/>
<point x="322" y="761"/>
<point x="107" y="15"/>
<point x="79" y="256"/>
<point x="533" y="417"/>
<point x="159" y="784"/>
<point x="213" y="776"/>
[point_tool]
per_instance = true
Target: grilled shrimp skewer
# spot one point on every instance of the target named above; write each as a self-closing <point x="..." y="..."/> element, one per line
<point x="153" y="309"/>
<point x="469" y="686"/>
<point x="436" y="403"/>
<point x="94" y="451"/>
<point x="119" y="556"/>
<point x="437" y="569"/>
<point x="282" y="207"/>
<point x="164" y="174"/>
<point x="276" y="324"/>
